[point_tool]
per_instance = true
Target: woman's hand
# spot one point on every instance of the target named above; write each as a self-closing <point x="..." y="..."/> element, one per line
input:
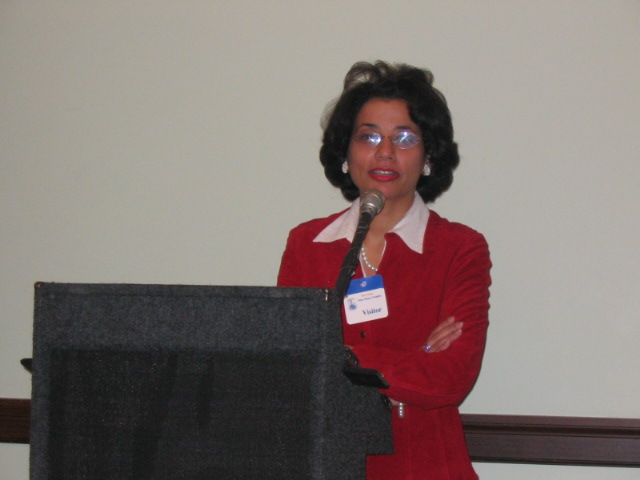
<point x="441" y="338"/>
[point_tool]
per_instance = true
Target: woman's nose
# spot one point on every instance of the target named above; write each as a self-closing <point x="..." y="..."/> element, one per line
<point x="385" y="149"/>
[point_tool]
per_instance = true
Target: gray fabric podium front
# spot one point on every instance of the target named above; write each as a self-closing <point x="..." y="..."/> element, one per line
<point x="196" y="382"/>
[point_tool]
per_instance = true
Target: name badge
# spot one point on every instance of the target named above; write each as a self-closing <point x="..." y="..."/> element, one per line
<point x="365" y="300"/>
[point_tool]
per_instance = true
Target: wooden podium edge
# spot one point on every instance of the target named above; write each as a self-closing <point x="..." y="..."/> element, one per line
<point x="590" y="441"/>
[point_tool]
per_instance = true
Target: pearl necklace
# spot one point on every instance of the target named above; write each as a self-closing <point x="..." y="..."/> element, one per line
<point x="363" y="257"/>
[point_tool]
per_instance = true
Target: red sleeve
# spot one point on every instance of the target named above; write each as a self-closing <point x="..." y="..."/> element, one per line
<point x="287" y="276"/>
<point x="434" y="380"/>
<point x="308" y="264"/>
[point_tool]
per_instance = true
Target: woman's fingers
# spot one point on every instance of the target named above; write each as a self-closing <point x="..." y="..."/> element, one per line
<point x="445" y="333"/>
<point x="444" y="325"/>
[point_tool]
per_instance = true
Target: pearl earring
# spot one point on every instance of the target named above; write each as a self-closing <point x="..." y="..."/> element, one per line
<point x="345" y="167"/>
<point x="426" y="170"/>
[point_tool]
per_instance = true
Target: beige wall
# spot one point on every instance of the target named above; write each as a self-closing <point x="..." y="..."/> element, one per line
<point x="176" y="142"/>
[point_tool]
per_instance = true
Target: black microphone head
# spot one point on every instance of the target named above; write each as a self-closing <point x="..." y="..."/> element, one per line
<point x="371" y="202"/>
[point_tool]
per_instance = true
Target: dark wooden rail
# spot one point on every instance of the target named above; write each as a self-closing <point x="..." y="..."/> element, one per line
<point x="15" y="416"/>
<point x="491" y="438"/>
<point x="553" y="440"/>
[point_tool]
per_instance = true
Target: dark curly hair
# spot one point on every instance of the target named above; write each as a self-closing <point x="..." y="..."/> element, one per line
<point x="427" y="108"/>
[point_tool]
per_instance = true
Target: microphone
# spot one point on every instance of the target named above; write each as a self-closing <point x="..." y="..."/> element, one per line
<point x="371" y="204"/>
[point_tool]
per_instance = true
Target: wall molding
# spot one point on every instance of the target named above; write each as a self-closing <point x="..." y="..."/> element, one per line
<point x="15" y="420"/>
<point x="587" y="441"/>
<point x="491" y="438"/>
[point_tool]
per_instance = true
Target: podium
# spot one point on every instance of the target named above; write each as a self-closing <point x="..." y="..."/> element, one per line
<point x="196" y="382"/>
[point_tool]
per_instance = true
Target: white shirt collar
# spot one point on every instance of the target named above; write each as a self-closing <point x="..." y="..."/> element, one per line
<point x="410" y="229"/>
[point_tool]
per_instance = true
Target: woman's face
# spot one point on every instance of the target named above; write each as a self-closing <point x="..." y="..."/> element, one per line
<point x="387" y="167"/>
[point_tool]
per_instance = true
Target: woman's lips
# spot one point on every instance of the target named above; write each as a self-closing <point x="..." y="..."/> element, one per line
<point x="382" y="175"/>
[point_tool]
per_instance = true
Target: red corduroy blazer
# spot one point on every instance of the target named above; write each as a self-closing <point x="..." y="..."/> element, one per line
<point x="450" y="278"/>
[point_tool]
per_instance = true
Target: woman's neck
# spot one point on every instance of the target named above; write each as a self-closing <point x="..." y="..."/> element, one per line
<point x="390" y="215"/>
<point x="374" y="243"/>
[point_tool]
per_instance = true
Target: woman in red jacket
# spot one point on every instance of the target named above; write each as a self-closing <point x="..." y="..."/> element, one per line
<point x="390" y="130"/>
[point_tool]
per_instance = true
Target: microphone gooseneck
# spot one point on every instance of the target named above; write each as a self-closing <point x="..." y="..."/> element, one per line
<point x="371" y="204"/>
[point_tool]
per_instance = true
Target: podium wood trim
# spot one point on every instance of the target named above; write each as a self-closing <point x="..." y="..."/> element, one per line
<point x="491" y="438"/>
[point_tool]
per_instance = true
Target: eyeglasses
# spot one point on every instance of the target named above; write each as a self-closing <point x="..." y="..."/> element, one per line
<point x="403" y="140"/>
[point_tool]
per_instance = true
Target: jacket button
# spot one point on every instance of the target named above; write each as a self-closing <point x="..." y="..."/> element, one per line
<point x="363" y="334"/>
